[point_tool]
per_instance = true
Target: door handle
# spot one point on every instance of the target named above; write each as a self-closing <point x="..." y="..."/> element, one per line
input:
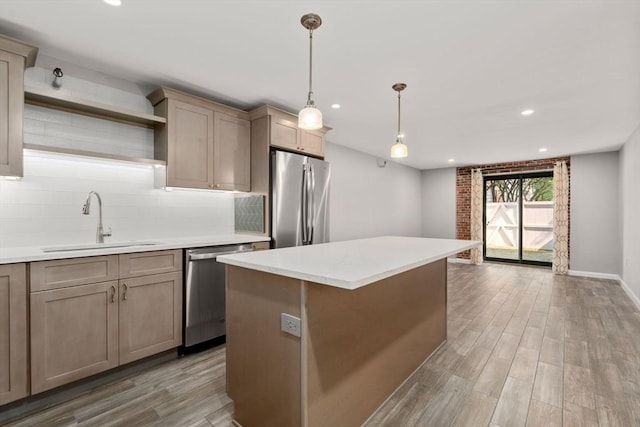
<point x="312" y="209"/>
<point x="113" y="293"/>
<point x="304" y="204"/>
<point x="124" y="294"/>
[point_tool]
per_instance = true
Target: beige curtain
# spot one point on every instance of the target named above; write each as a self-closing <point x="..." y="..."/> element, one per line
<point x="476" y="213"/>
<point x="560" y="218"/>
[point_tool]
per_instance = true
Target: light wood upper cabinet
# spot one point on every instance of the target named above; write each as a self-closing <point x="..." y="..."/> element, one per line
<point x="15" y="57"/>
<point x="232" y="153"/>
<point x="205" y="144"/>
<point x="14" y="382"/>
<point x="312" y="142"/>
<point x="283" y="132"/>
<point x="190" y="145"/>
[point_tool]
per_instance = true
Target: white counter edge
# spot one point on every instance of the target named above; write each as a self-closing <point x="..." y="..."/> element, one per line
<point x="14" y="255"/>
<point x="237" y="261"/>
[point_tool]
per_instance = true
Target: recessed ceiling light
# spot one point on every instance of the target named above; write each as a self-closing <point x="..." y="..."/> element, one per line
<point x="335" y="106"/>
<point x="542" y="150"/>
<point x="527" y="112"/>
<point x="113" y="2"/>
<point x="452" y="160"/>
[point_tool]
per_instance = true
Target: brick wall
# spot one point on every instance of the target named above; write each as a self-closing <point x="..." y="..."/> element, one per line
<point x="463" y="188"/>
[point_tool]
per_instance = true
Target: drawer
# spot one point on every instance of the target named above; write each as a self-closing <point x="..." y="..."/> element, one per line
<point x="62" y="273"/>
<point x="145" y="263"/>
<point x="260" y="246"/>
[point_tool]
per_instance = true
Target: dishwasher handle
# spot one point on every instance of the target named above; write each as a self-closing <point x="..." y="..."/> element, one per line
<point x="214" y="255"/>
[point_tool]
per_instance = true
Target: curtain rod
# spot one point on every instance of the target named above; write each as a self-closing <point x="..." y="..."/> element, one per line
<point x="516" y="173"/>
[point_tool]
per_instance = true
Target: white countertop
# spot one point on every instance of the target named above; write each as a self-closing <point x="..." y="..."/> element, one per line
<point x="28" y="253"/>
<point x="351" y="264"/>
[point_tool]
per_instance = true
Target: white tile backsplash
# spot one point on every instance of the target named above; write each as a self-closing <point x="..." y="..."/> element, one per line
<point x="45" y="207"/>
<point x="49" y="127"/>
<point x="44" y="126"/>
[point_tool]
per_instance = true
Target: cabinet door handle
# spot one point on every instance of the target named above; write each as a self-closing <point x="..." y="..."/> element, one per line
<point x="124" y="294"/>
<point x="113" y="293"/>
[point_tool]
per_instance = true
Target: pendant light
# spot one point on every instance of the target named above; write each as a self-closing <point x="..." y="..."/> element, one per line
<point x="310" y="117"/>
<point x="399" y="149"/>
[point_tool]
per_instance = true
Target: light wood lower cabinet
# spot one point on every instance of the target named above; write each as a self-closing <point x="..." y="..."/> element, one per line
<point x="86" y="328"/>
<point x="260" y="246"/>
<point x="150" y="315"/>
<point x="14" y="383"/>
<point x="74" y="333"/>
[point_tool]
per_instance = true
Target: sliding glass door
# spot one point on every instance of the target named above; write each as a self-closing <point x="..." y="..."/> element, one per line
<point x="518" y="214"/>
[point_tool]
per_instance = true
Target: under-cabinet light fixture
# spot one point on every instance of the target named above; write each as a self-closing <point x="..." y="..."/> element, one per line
<point x="527" y="112"/>
<point x="399" y="149"/>
<point x="310" y="117"/>
<point x="113" y="2"/>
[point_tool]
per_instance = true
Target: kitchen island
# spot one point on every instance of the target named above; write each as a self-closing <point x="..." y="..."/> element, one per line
<point x="370" y="312"/>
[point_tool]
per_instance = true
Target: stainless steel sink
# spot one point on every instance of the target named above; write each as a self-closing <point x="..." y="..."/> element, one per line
<point x="89" y="246"/>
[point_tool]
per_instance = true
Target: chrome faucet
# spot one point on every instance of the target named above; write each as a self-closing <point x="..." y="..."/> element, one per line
<point x="100" y="234"/>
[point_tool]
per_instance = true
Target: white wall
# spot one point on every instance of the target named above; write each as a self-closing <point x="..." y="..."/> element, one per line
<point x="595" y="230"/>
<point x="367" y="200"/>
<point x="45" y="207"/>
<point x="630" y="213"/>
<point x="439" y="203"/>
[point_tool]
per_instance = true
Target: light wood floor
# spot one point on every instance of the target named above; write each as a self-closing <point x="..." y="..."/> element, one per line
<point x="524" y="347"/>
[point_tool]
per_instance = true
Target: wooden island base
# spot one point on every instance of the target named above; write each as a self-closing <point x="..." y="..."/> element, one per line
<point x="356" y="346"/>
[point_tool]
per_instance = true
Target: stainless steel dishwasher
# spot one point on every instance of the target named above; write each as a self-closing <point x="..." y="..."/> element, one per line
<point x="205" y="292"/>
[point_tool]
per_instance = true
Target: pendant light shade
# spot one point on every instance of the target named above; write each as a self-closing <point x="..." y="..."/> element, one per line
<point x="310" y="117"/>
<point x="399" y="149"/>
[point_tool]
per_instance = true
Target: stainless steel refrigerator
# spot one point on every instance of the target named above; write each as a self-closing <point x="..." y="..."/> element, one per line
<point x="300" y="200"/>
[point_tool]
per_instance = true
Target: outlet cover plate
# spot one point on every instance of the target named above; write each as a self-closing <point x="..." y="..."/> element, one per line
<point x="290" y="324"/>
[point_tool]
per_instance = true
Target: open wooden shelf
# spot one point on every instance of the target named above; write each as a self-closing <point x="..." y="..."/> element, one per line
<point x="60" y="101"/>
<point x="83" y="153"/>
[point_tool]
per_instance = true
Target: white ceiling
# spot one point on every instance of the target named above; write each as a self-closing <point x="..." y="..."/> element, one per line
<point x="470" y="66"/>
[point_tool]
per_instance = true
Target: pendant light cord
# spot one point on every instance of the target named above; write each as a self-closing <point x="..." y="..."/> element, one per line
<point x="398" y="134"/>
<point x="309" y="101"/>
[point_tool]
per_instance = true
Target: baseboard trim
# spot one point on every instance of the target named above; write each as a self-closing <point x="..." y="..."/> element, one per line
<point x="459" y="260"/>
<point x="594" y="275"/>
<point x="633" y="297"/>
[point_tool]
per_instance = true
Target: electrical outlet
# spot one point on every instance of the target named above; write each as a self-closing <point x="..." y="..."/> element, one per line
<point x="290" y="324"/>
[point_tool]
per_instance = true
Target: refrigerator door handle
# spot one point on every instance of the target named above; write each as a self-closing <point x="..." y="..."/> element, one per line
<point x="312" y="209"/>
<point x="304" y="204"/>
